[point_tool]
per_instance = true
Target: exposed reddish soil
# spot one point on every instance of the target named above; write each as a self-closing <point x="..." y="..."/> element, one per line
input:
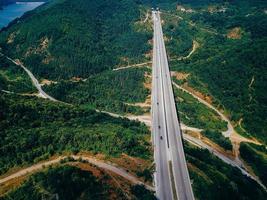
<point x="197" y="93"/>
<point x="235" y="33"/>
<point x="179" y="75"/>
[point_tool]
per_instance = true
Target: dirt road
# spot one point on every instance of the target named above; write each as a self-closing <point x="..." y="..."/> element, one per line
<point x="101" y="164"/>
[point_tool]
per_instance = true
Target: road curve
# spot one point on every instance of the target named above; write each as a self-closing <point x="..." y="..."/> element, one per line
<point x="34" y="80"/>
<point x="230" y="128"/>
<point x="198" y="143"/>
<point x="101" y="164"/>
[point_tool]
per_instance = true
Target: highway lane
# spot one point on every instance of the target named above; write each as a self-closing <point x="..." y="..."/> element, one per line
<point x="169" y="155"/>
<point x="181" y="175"/>
<point x="162" y="175"/>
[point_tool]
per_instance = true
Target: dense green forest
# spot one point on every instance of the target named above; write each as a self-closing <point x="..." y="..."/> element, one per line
<point x="77" y="38"/>
<point x="109" y="91"/>
<point x="230" y="63"/>
<point x="40" y="129"/>
<point x="71" y="183"/>
<point x="14" y="78"/>
<point x="256" y="157"/>
<point x="213" y="179"/>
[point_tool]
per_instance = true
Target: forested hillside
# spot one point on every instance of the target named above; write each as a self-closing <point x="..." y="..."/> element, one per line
<point x="213" y="179"/>
<point x="73" y="183"/>
<point x="110" y="91"/>
<point x="230" y="62"/>
<point x="256" y="157"/>
<point x="77" y="43"/>
<point x="67" y="182"/>
<point x="77" y="38"/>
<point x="40" y="129"/>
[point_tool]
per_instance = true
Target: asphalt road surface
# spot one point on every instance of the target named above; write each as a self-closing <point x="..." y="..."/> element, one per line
<point x="34" y="80"/>
<point x="171" y="177"/>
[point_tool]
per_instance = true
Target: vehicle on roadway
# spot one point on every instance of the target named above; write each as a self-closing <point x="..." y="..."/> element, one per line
<point x="172" y="179"/>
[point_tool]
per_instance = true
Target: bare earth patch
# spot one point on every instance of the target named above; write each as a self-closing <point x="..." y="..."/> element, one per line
<point x="198" y="94"/>
<point x="114" y="181"/>
<point x="12" y="184"/>
<point x="47" y="82"/>
<point x="131" y="164"/>
<point x="77" y="79"/>
<point x="183" y="9"/>
<point x="235" y="33"/>
<point x="179" y="75"/>
<point x="216" y="9"/>
<point x="11" y="37"/>
<point x="227" y="153"/>
<point x="40" y="49"/>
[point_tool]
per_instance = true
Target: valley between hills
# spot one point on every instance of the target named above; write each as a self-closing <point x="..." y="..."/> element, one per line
<point x="76" y="98"/>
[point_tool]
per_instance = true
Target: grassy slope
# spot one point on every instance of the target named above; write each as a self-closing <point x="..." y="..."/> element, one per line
<point x="222" y="66"/>
<point x="213" y="179"/>
<point x="256" y="157"/>
<point x="194" y="113"/>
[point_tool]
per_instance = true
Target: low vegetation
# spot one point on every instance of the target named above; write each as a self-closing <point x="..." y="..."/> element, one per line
<point x="194" y="113"/>
<point x="256" y="157"/>
<point x="142" y="193"/>
<point x="218" y="138"/>
<point x="214" y="179"/>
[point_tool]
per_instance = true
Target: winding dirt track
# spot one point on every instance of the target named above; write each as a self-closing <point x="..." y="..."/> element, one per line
<point x="147" y="120"/>
<point x="230" y="132"/>
<point x="133" y="65"/>
<point x="230" y="128"/>
<point x="101" y="164"/>
<point x="194" y="48"/>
